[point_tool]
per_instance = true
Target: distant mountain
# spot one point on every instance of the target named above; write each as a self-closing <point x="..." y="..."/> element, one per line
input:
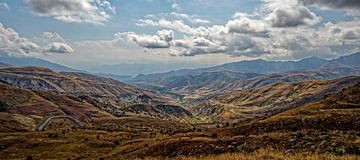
<point x="204" y="83"/>
<point x="351" y="60"/>
<point x="292" y="77"/>
<point x="134" y="69"/>
<point x="248" y="74"/>
<point x="262" y="66"/>
<point x="115" y="76"/>
<point x="2" y="65"/>
<point x="30" y="61"/>
<point x="265" y="67"/>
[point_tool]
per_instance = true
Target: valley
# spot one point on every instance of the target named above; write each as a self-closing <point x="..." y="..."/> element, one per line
<point x="211" y="112"/>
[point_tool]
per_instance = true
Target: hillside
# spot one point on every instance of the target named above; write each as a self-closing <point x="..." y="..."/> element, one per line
<point x="329" y="125"/>
<point x="265" y="100"/>
<point x="65" y="90"/>
<point x="38" y="78"/>
<point x="293" y="77"/>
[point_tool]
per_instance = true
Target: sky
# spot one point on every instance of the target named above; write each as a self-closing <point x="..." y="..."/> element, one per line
<point x="174" y="34"/>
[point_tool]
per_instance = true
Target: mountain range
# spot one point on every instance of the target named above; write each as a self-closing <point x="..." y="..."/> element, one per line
<point x="248" y="74"/>
<point x="265" y="67"/>
<point x="31" y="61"/>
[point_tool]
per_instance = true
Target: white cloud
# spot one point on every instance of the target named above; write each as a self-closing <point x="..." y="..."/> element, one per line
<point x="13" y="44"/>
<point x="160" y="40"/>
<point x="253" y="36"/>
<point x="284" y="30"/>
<point x="58" y="47"/>
<point x="289" y="13"/>
<point x="243" y="24"/>
<point x="79" y="11"/>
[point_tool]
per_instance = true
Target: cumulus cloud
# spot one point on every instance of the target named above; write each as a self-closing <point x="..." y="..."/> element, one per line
<point x="58" y="47"/>
<point x="286" y="13"/>
<point x="11" y="42"/>
<point x="162" y="39"/>
<point x="79" y="11"/>
<point x="281" y="29"/>
<point x="14" y="44"/>
<point x="292" y="17"/>
<point x="243" y="24"/>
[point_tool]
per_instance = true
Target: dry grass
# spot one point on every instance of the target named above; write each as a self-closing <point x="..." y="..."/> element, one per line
<point x="266" y="154"/>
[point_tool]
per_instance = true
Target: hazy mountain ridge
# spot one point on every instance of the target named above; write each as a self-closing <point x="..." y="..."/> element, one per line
<point x="293" y="77"/>
<point x="263" y="66"/>
<point x="2" y="65"/>
<point x="30" y="61"/>
<point x="205" y="82"/>
<point x="209" y="80"/>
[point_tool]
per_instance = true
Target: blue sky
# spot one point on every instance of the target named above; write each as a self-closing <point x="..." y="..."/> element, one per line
<point x="177" y="34"/>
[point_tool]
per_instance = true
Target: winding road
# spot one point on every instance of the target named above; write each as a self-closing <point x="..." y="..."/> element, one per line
<point x="43" y="124"/>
